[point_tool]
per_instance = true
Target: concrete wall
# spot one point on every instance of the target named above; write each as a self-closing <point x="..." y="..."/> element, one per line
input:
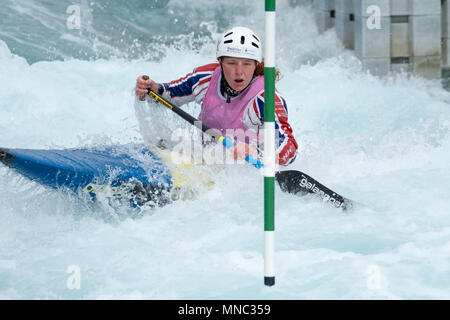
<point x="392" y="35"/>
<point x="324" y="11"/>
<point x="445" y="30"/>
<point x="372" y="34"/>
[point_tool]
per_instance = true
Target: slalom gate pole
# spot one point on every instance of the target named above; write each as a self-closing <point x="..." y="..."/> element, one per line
<point x="269" y="144"/>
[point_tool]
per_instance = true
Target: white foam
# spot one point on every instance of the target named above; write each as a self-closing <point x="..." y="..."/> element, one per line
<point x="383" y="143"/>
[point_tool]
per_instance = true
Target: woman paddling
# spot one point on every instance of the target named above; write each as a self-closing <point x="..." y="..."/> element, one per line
<point x="231" y="94"/>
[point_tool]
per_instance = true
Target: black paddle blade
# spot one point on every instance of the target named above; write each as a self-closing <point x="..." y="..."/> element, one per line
<point x="5" y="156"/>
<point x="299" y="183"/>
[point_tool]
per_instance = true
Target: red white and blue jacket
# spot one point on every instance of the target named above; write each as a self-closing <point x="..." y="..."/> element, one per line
<point x="193" y="87"/>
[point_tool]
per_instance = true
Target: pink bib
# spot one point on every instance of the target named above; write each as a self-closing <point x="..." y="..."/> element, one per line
<point x="216" y="113"/>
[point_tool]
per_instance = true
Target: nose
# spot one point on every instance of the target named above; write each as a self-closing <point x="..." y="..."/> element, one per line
<point x="239" y="69"/>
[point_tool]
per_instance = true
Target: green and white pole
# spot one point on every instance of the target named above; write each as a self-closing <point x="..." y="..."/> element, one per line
<point x="269" y="145"/>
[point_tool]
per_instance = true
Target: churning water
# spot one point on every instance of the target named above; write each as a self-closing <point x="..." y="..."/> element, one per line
<point x="382" y="142"/>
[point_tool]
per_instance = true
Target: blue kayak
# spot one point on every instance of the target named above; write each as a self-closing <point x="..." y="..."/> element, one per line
<point x="125" y="170"/>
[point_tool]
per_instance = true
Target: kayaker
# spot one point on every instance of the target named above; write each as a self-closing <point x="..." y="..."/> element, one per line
<point x="231" y="94"/>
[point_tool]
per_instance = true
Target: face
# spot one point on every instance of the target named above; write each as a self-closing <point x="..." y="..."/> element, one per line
<point x="238" y="72"/>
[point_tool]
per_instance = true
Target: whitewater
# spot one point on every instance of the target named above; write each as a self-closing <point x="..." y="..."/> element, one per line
<point x="384" y="143"/>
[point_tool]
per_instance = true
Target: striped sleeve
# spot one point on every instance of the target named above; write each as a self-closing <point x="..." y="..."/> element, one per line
<point x="190" y="88"/>
<point x="286" y="144"/>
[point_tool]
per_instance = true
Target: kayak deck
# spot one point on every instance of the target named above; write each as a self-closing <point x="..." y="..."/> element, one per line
<point x="126" y="171"/>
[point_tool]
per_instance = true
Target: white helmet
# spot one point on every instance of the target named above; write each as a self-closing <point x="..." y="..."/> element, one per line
<point x="239" y="42"/>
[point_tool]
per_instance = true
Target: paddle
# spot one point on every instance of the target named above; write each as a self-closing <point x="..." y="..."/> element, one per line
<point x="290" y="181"/>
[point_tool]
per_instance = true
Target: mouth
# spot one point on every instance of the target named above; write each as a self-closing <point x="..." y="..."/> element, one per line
<point x="239" y="81"/>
